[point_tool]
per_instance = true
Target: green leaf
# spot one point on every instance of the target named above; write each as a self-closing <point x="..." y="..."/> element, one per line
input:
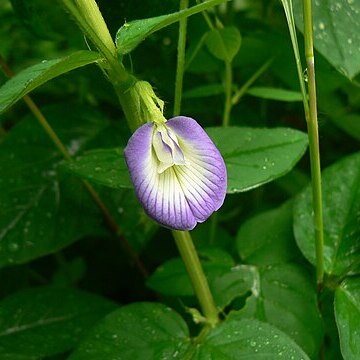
<point x="285" y="297"/>
<point x="336" y="32"/>
<point x="34" y="76"/>
<point x="224" y="43"/>
<point x="341" y="207"/>
<point x="131" y="34"/>
<point x="275" y="94"/>
<point x="41" y="322"/>
<point x="267" y="238"/>
<point x="254" y="157"/>
<point x="150" y="331"/>
<point x="226" y="280"/>
<point x="143" y="331"/>
<point x="41" y="212"/>
<point x="347" y="312"/>
<point x="247" y="339"/>
<point x="102" y="166"/>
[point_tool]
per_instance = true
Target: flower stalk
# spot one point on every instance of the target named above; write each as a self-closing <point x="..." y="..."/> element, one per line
<point x="198" y="279"/>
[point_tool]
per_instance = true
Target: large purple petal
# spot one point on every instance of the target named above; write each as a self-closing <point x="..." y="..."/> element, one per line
<point x="181" y="195"/>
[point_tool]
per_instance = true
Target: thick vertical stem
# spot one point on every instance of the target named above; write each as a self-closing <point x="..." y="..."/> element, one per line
<point x="314" y="144"/>
<point x="198" y="279"/>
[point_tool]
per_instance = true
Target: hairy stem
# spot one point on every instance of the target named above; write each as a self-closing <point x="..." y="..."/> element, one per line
<point x="88" y="17"/>
<point x="198" y="279"/>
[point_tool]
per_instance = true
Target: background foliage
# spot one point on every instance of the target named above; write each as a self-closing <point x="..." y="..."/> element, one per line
<point x="70" y="284"/>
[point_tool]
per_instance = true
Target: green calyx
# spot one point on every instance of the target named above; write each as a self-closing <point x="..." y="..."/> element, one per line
<point x="151" y="106"/>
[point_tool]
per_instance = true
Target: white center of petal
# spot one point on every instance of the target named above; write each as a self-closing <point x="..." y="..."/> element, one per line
<point x="167" y="148"/>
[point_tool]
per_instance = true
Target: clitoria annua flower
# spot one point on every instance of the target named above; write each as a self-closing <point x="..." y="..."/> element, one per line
<point x="178" y="173"/>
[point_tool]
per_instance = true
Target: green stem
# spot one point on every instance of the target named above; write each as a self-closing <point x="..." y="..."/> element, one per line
<point x="228" y="92"/>
<point x="198" y="279"/>
<point x="240" y="93"/>
<point x="92" y="15"/>
<point x="88" y="17"/>
<point x="287" y="4"/>
<point x="183" y="239"/>
<point x="180" y="59"/>
<point x="314" y="144"/>
<point x="130" y="104"/>
<point x="310" y="109"/>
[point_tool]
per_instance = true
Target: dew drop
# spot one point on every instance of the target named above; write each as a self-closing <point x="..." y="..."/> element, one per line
<point x="321" y="25"/>
<point x="305" y="75"/>
<point x="252" y="343"/>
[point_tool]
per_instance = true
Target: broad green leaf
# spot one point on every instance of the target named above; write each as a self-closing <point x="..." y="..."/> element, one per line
<point x="41" y="322"/>
<point x="267" y="238"/>
<point x="34" y="76"/>
<point x="41" y="212"/>
<point x="275" y="94"/>
<point x="224" y="43"/>
<point x="103" y="166"/>
<point x="285" y="297"/>
<point x="226" y="280"/>
<point x="131" y="34"/>
<point x="254" y="157"/>
<point x="336" y="32"/>
<point x="246" y="339"/>
<point x="150" y="331"/>
<point x="347" y="312"/>
<point x="145" y="331"/>
<point x="341" y="206"/>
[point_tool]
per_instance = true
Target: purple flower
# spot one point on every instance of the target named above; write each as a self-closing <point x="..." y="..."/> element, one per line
<point x="178" y="174"/>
